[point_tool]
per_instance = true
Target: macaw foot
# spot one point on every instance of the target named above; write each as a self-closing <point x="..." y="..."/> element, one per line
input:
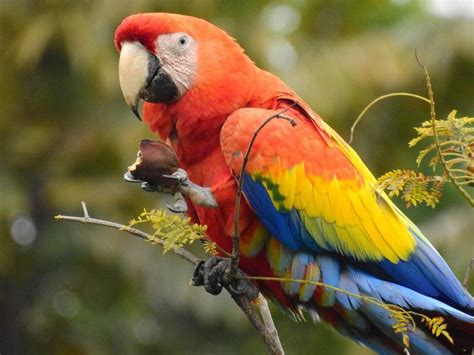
<point x="179" y="203"/>
<point x="179" y="186"/>
<point x="201" y="196"/>
<point x="211" y="274"/>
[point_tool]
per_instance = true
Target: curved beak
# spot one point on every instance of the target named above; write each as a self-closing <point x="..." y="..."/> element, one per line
<point x="134" y="71"/>
<point x="142" y="77"/>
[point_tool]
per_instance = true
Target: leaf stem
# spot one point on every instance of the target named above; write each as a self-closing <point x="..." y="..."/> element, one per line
<point x="383" y="97"/>
<point x="436" y="138"/>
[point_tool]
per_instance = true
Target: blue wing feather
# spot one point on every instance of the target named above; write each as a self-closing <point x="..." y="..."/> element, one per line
<point x="425" y="272"/>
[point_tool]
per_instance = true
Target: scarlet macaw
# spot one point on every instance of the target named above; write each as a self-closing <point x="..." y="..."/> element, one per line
<point x="310" y="209"/>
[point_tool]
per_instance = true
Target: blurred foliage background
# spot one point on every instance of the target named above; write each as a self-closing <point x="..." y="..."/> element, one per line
<point x="67" y="136"/>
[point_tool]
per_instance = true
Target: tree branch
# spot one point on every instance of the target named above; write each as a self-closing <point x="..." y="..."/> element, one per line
<point x="262" y="304"/>
<point x="264" y="324"/>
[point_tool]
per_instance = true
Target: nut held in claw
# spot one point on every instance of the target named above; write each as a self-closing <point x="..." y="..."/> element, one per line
<point x="155" y="159"/>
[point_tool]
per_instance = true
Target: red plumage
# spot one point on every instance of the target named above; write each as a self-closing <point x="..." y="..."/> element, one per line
<point x="206" y="126"/>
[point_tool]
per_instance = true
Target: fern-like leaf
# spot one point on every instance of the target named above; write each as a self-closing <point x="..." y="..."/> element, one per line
<point x="456" y="141"/>
<point x="437" y="326"/>
<point x="210" y="247"/>
<point x="173" y="230"/>
<point x="415" y="188"/>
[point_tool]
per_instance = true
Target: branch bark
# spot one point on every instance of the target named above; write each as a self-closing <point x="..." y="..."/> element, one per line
<point x="263" y="324"/>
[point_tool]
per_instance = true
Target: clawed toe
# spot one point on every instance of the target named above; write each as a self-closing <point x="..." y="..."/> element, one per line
<point x="180" y="176"/>
<point x="179" y="205"/>
<point x="210" y="274"/>
<point x="146" y="186"/>
<point x="243" y="287"/>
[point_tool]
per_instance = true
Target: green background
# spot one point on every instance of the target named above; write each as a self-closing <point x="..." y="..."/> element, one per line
<point x="67" y="136"/>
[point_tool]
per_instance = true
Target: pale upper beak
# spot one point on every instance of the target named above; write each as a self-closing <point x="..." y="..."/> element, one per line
<point x="142" y="78"/>
<point x="133" y="71"/>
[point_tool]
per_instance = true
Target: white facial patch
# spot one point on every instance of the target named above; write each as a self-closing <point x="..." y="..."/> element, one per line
<point x="178" y="53"/>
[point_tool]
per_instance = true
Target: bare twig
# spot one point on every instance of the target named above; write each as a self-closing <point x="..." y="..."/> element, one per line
<point x="377" y="100"/>
<point x="467" y="274"/>
<point x="236" y="234"/>
<point x="182" y="253"/>
<point x="262" y="304"/>
<point x="264" y="326"/>
<point x="84" y="209"/>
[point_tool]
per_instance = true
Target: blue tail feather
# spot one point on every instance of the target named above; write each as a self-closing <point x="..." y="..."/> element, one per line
<point x="426" y="272"/>
<point x="419" y="342"/>
<point x="403" y="296"/>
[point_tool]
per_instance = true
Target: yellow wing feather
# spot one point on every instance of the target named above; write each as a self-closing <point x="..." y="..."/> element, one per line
<point x="320" y="176"/>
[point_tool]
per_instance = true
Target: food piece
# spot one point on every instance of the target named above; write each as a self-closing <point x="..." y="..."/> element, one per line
<point x="156" y="161"/>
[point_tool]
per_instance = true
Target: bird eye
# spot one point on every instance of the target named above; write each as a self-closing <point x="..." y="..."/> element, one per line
<point x="182" y="41"/>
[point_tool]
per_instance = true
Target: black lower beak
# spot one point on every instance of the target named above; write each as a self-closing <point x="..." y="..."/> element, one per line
<point x="154" y="66"/>
<point x="159" y="86"/>
<point x="161" y="89"/>
<point x="136" y="112"/>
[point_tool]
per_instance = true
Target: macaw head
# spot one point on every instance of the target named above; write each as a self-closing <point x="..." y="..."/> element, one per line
<point x="180" y="62"/>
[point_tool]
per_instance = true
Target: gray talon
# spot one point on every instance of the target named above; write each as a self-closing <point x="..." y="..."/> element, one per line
<point x="146" y="186"/>
<point x="128" y="177"/>
<point x="176" y="209"/>
<point x="179" y="175"/>
<point x="179" y="205"/>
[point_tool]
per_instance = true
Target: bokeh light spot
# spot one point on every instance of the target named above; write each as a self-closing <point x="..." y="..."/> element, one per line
<point x="146" y="331"/>
<point x="66" y="303"/>
<point x="23" y="230"/>
<point x="281" y="18"/>
<point x="282" y="55"/>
